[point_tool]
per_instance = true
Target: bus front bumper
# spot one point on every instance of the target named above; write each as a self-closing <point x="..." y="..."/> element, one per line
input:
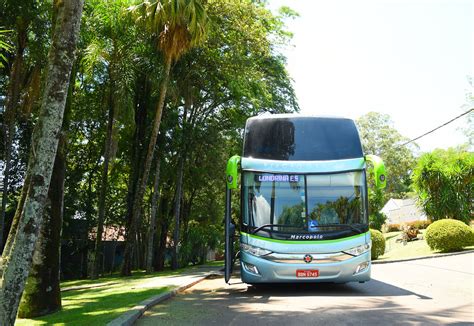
<point x="259" y="270"/>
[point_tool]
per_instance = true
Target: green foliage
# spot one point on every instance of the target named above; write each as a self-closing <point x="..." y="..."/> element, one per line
<point x="380" y="138"/>
<point x="378" y="244"/>
<point x="421" y="225"/>
<point x="376" y="198"/>
<point x="449" y="235"/>
<point x="394" y="227"/>
<point x="376" y="220"/>
<point x="177" y="25"/>
<point x="236" y="71"/>
<point x="199" y="239"/>
<point x="469" y="105"/>
<point x="444" y="181"/>
<point x="5" y="47"/>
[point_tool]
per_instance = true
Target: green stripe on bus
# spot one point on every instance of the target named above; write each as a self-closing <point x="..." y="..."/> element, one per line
<point x="303" y="241"/>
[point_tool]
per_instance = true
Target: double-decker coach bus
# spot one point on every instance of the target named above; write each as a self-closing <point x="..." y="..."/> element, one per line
<point x="304" y="207"/>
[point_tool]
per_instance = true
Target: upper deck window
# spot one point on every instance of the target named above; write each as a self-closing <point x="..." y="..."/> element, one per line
<point x="302" y="139"/>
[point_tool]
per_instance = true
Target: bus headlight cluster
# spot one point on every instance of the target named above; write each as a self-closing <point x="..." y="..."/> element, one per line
<point x="359" y="250"/>
<point x="256" y="251"/>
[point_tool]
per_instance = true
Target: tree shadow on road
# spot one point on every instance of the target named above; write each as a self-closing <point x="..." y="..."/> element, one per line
<point x="372" y="303"/>
<point x="372" y="288"/>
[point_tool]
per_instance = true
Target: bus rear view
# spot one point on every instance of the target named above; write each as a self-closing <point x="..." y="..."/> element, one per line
<point x="304" y="201"/>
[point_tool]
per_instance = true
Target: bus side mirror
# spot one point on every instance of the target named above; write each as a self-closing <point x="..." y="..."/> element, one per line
<point x="232" y="172"/>
<point x="380" y="175"/>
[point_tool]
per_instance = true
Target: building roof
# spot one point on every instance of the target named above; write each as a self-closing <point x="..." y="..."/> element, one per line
<point x="403" y="210"/>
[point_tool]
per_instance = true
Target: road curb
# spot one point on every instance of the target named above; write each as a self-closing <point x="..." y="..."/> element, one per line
<point x="375" y="262"/>
<point x="128" y="318"/>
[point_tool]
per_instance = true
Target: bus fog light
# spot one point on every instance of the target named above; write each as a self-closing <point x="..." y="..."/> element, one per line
<point x="362" y="267"/>
<point x="251" y="268"/>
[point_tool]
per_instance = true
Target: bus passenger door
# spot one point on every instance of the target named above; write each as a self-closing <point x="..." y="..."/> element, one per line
<point x="231" y="183"/>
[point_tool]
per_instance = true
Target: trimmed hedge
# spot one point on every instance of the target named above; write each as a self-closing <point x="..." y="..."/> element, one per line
<point x="449" y="235"/>
<point x="420" y="225"/>
<point x="378" y="244"/>
<point x="394" y="227"/>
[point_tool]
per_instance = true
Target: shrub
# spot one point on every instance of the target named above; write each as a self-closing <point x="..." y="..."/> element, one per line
<point x="378" y="244"/>
<point x="419" y="224"/>
<point x="394" y="228"/>
<point x="449" y="235"/>
<point x="376" y="220"/>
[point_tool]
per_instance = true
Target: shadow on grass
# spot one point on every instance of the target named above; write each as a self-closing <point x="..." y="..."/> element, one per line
<point x="94" y="307"/>
<point x="114" y="277"/>
<point x="138" y="275"/>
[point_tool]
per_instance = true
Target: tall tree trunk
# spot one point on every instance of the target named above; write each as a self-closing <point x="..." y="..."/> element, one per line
<point x="15" y="222"/>
<point x="42" y="294"/>
<point x="43" y="151"/>
<point x="137" y="202"/>
<point x="138" y="145"/>
<point x="179" y="181"/>
<point x="152" y="229"/>
<point x="164" y="225"/>
<point x="11" y="105"/>
<point x="102" y="194"/>
<point x="177" y="209"/>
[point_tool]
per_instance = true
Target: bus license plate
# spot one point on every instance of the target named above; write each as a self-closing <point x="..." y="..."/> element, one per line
<point x="307" y="273"/>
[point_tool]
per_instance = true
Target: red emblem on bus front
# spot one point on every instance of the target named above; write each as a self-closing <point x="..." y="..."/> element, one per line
<point x="308" y="259"/>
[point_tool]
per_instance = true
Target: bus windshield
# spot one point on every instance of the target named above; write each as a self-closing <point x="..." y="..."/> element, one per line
<point x="304" y="203"/>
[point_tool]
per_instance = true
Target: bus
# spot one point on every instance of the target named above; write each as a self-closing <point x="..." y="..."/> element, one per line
<point x="303" y="201"/>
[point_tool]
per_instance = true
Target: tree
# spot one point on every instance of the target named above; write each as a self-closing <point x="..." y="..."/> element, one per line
<point x="177" y="25"/>
<point x="112" y="47"/>
<point x="152" y="228"/>
<point x="444" y="182"/>
<point x="17" y="259"/>
<point x="379" y="137"/>
<point x="26" y="20"/>
<point x="469" y="105"/>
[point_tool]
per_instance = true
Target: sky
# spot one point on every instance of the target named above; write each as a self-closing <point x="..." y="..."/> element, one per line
<point x="411" y="59"/>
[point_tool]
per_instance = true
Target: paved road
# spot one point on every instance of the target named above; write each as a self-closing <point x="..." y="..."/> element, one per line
<point x="432" y="291"/>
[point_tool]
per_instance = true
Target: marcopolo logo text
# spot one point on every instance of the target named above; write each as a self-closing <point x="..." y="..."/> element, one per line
<point x="306" y="237"/>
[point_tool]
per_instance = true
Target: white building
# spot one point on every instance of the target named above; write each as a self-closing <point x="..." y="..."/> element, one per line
<point x="400" y="211"/>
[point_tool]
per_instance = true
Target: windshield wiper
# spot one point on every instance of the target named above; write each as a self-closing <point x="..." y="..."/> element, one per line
<point x="271" y="225"/>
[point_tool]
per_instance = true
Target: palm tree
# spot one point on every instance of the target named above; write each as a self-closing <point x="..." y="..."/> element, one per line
<point x="176" y="26"/>
<point x="111" y="46"/>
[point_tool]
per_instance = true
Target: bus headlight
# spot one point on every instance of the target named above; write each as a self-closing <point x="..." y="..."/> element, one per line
<point x="359" y="250"/>
<point x="256" y="251"/>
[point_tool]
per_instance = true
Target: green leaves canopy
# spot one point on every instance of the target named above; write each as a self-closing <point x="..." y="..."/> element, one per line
<point x="379" y="137"/>
<point x="444" y="181"/>
<point x="177" y="25"/>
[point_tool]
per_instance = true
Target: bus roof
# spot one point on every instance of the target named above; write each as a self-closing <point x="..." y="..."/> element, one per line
<point x="268" y="115"/>
<point x="295" y="137"/>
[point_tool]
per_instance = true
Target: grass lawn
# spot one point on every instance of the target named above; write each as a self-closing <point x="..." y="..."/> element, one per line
<point x="99" y="305"/>
<point x="397" y="250"/>
<point x="390" y="235"/>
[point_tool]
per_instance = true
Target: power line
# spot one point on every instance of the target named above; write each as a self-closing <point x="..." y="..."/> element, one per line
<point x="444" y="124"/>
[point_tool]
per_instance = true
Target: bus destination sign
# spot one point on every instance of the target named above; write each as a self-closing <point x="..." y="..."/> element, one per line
<point x="277" y="178"/>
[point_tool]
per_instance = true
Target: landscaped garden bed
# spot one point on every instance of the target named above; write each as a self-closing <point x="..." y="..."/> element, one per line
<point x="395" y="248"/>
